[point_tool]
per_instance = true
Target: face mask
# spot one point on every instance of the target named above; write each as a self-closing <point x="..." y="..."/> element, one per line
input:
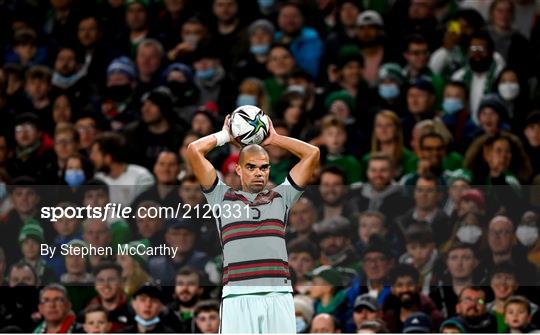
<point x="66" y="81"/>
<point x="147" y="323"/>
<point x="388" y="91"/>
<point x="246" y="99"/>
<point x="452" y="105"/>
<point x="296" y="88"/>
<point x="527" y="235"/>
<point x="469" y="234"/>
<point x="481" y="65"/>
<point x="264" y="4"/>
<point x="74" y="178"/>
<point x="259" y="49"/>
<point x="300" y="324"/>
<point x="191" y="39"/>
<point x="119" y="93"/>
<point x="3" y="190"/>
<point x="205" y="74"/>
<point x="509" y="91"/>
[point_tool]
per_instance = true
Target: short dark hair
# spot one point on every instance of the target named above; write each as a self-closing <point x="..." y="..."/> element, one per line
<point x="188" y="271"/>
<point x="95" y="308"/>
<point x="108" y="265"/>
<point x="335" y="170"/>
<point x="461" y="245"/>
<point x="518" y="299"/>
<point x="413" y="39"/>
<point x="205" y="306"/>
<point x="404" y="270"/>
<point x="111" y="143"/>
<point x="301" y="244"/>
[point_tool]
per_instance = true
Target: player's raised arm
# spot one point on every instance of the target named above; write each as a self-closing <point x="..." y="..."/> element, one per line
<point x="197" y="150"/>
<point x="309" y="155"/>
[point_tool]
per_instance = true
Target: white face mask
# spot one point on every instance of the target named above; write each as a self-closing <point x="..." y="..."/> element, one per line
<point x="509" y="90"/>
<point x="469" y="234"/>
<point x="527" y="235"/>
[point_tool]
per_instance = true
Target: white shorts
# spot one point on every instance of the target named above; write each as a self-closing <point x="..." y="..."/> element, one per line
<point x="258" y="313"/>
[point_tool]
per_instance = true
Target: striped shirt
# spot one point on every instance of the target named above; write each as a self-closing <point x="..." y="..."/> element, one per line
<point x="251" y="227"/>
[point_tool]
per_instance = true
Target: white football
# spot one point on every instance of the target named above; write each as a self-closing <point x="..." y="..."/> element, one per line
<point x="249" y="125"/>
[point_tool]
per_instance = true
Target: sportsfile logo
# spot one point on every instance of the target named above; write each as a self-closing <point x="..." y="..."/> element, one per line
<point x="111" y="211"/>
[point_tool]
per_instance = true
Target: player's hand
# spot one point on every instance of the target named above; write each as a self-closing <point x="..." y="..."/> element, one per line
<point x="227" y="128"/>
<point x="272" y="134"/>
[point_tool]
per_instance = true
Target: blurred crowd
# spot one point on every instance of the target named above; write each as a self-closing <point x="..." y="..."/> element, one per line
<point x="423" y="216"/>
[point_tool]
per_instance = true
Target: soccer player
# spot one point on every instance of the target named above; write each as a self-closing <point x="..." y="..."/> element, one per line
<point x="257" y="293"/>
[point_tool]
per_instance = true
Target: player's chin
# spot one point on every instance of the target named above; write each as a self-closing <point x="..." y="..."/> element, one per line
<point x="257" y="186"/>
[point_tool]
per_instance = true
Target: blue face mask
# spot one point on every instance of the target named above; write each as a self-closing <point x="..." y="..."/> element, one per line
<point x="147" y="323"/>
<point x="259" y="49"/>
<point x="74" y="178"/>
<point x="246" y="99"/>
<point x="452" y="105"/>
<point x="388" y="91"/>
<point x="300" y="324"/>
<point x="205" y="74"/>
<point x="265" y="3"/>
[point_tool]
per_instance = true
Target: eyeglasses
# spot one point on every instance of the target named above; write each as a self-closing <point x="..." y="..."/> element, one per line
<point x="56" y="300"/>
<point x="477" y="48"/>
<point x="478" y="301"/>
<point x="24" y="128"/>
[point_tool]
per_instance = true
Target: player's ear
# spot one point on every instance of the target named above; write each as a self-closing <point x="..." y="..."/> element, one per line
<point x="238" y="169"/>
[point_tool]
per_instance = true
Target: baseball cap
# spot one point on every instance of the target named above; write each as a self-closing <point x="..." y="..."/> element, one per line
<point x="153" y="290"/>
<point x="423" y="83"/>
<point x="417" y="323"/>
<point x="180" y="223"/>
<point x="369" y="18"/>
<point x="367" y="301"/>
<point x="533" y="118"/>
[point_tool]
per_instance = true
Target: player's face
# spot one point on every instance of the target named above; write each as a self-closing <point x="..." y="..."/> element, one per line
<point x="254" y="171"/>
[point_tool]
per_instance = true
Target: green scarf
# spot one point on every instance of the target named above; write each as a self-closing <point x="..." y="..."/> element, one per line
<point x="25" y="153"/>
<point x="467" y="77"/>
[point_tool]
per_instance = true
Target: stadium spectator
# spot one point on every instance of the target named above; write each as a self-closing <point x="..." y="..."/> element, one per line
<point x="147" y="304"/>
<point x="427" y="197"/>
<point x="324" y="323"/>
<point x="127" y="180"/>
<point x="380" y="192"/>
<point x="366" y="308"/>
<point x="517" y="314"/>
<point x="55" y="308"/>
<point x="206" y="316"/>
<point x="335" y="244"/>
<point x="303" y="255"/>
<point x="111" y="296"/>
<point x="96" y="320"/>
<point x="181" y="234"/>
<point x="156" y="131"/>
<point x="303" y="41"/>
<point x="461" y="264"/>
<point x="31" y="237"/>
<point x="134" y="272"/>
<point x="407" y="299"/>
<point x="471" y="309"/>
<point x="188" y="291"/>
<point x="333" y="191"/>
<point x="302" y="218"/>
